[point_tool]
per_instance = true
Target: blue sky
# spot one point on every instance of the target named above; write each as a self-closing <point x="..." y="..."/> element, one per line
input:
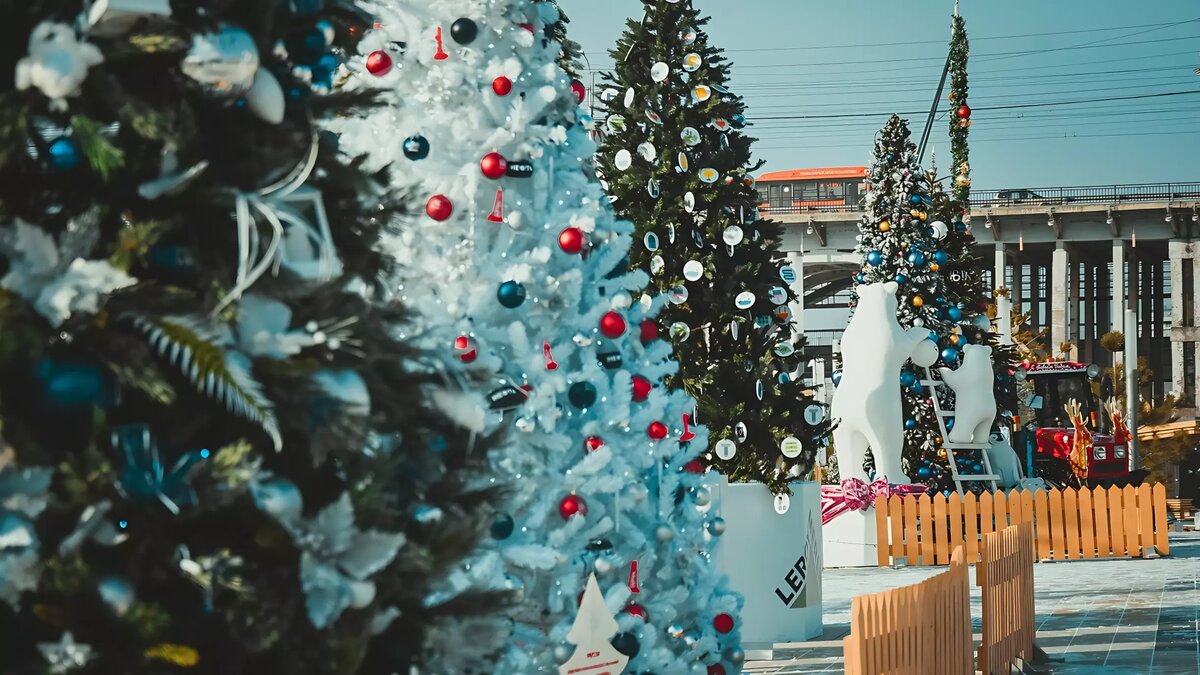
<point x="835" y="57"/>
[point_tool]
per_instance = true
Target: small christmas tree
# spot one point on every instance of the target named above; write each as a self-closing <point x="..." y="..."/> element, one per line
<point x="216" y="457"/>
<point x="677" y="163"/>
<point x="518" y="265"/>
<point x="900" y="243"/>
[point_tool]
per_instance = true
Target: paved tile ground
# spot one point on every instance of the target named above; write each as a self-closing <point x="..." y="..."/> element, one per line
<point x="1140" y="617"/>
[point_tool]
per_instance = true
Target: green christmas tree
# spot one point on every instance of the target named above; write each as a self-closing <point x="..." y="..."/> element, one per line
<point x="216" y="457"/>
<point x="899" y="242"/>
<point x="677" y="162"/>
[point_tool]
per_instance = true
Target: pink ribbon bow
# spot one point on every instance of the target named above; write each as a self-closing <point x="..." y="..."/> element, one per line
<point x="857" y="495"/>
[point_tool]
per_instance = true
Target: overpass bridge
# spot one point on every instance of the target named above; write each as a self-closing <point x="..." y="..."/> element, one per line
<point x="1073" y="259"/>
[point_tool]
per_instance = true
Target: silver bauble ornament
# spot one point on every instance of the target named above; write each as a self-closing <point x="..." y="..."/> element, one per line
<point x="703" y="496"/>
<point x="735" y="655"/>
<point x="224" y="62"/>
<point x="716" y="526"/>
<point x="664" y="533"/>
<point x="562" y="652"/>
<point x="603" y="565"/>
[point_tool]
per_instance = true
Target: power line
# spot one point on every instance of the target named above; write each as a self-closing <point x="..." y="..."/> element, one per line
<point x="995" y="140"/>
<point x="907" y="43"/>
<point x="996" y="107"/>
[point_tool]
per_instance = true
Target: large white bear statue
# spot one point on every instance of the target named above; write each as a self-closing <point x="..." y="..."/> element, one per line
<point x="974" y="396"/>
<point x="867" y="402"/>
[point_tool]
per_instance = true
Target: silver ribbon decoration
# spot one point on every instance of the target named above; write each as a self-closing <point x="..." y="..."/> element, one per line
<point x="271" y="204"/>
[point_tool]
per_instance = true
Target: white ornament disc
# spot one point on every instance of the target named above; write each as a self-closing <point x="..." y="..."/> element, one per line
<point x="725" y="448"/>
<point x="693" y="270"/>
<point x="791" y="447"/>
<point x="733" y="235"/>
<point x="659" y="71"/>
<point x="623" y="159"/>
<point x="744" y="300"/>
<point x="782" y="504"/>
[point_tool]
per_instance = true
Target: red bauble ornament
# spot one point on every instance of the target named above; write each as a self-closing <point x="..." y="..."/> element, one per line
<point x="502" y="86"/>
<point x="641" y="388"/>
<point x="694" y="466"/>
<point x="657" y="431"/>
<point x="964" y="112"/>
<point x="637" y="610"/>
<point x="649" y="331"/>
<point x="464" y="347"/>
<point x="574" y="505"/>
<point x="571" y="240"/>
<point x="379" y="63"/>
<point x="723" y="623"/>
<point x="716" y="669"/>
<point x="439" y="207"/>
<point x="579" y="89"/>
<point x="493" y="165"/>
<point x="593" y="443"/>
<point x="612" y="325"/>
<point x="526" y="26"/>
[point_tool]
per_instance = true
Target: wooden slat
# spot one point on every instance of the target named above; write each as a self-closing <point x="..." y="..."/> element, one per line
<point x="1133" y="540"/>
<point x="1041" y="505"/>
<point x="1000" y="507"/>
<point x="940" y="528"/>
<point x="912" y="551"/>
<point x="883" y="547"/>
<point x="1027" y="506"/>
<point x="1087" y="530"/>
<point x="896" y="509"/>
<point x="1160" y="520"/>
<point x="986" y="522"/>
<point x="928" y="536"/>
<point x="971" y="528"/>
<point x="1057" y="540"/>
<point x="1071" y="523"/>
<point x="1116" y="521"/>
<point x="1145" y="501"/>
<point x="1103" y="533"/>
<point x="954" y="504"/>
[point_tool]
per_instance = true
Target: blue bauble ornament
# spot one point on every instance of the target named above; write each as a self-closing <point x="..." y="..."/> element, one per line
<point x="949" y="423"/>
<point x="874" y="257"/>
<point x="900" y="278"/>
<point x="907" y="377"/>
<point x="64" y="156"/>
<point x="914" y="200"/>
<point x="910" y="424"/>
<point x="74" y="384"/>
<point x="916" y="258"/>
<point x="416" y="147"/>
<point x="582" y="394"/>
<point x="941" y="257"/>
<point x="915" y="388"/>
<point x="924" y="472"/>
<point x="502" y="526"/>
<point x="954" y="313"/>
<point x="860" y="278"/>
<point x="890" y="157"/>
<point x="836" y="376"/>
<point x="960" y="227"/>
<point x="511" y="294"/>
<point x="977" y="467"/>
<point x="982" y="322"/>
<point x="950" y="355"/>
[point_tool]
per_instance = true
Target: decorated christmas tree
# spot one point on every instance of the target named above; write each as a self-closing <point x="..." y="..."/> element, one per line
<point x="899" y="242"/>
<point x="676" y="159"/>
<point x="518" y="267"/>
<point x="964" y="271"/>
<point x="216" y="457"/>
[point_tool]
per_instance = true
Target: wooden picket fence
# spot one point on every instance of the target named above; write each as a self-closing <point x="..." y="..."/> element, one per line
<point x="1005" y="579"/>
<point x="1068" y="524"/>
<point x="923" y="629"/>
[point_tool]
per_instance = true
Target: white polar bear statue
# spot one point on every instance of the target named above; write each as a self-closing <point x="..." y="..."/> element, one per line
<point x="867" y="402"/>
<point x="974" y="397"/>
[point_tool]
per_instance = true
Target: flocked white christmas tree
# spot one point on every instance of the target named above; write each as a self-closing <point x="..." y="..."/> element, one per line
<point x="520" y="272"/>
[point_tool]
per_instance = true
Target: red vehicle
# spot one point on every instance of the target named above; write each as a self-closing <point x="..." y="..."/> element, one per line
<point x="1055" y="384"/>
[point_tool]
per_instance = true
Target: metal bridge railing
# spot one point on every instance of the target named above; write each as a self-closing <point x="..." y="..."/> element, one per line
<point x="1044" y="196"/>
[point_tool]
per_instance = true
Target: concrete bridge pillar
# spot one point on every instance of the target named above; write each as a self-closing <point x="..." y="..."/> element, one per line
<point x="1117" y="320"/>
<point x="1185" y="325"/>
<point x="797" y="262"/>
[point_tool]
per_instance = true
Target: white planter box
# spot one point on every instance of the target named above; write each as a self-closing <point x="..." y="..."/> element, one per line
<point x="773" y="560"/>
<point x="849" y="540"/>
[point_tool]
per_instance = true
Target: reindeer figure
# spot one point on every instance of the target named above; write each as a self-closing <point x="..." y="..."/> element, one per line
<point x="1120" y="432"/>
<point x="1082" y="444"/>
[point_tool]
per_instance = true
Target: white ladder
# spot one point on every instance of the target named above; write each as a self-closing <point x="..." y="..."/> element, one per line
<point x="987" y="476"/>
